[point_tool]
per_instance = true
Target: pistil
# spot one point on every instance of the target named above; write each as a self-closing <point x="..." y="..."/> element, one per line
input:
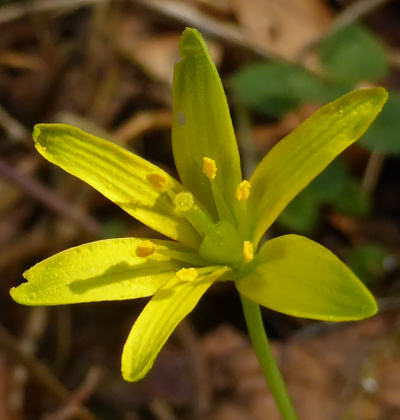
<point x="184" y="203"/>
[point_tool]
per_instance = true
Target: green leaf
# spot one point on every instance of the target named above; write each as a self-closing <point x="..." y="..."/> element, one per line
<point x="158" y="320"/>
<point x="202" y="125"/>
<point x="117" y="174"/>
<point x="306" y="151"/>
<point x="301" y="214"/>
<point x="384" y="134"/>
<point x="336" y="187"/>
<point x="368" y="261"/>
<point x="97" y="271"/>
<point x="330" y="182"/>
<point x="353" y="200"/>
<point x="299" y="277"/>
<point x="353" y="54"/>
<point x="274" y="88"/>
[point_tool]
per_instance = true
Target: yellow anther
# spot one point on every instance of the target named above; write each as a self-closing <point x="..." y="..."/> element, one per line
<point x="145" y="249"/>
<point x="184" y="201"/>
<point x="243" y="191"/>
<point x="187" y="274"/>
<point x="157" y="180"/>
<point x="209" y="167"/>
<point x="248" y="251"/>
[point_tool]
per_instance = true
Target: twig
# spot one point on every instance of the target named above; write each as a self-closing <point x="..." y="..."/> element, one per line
<point x="29" y="245"/>
<point x="39" y="371"/>
<point x="162" y="410"/>
<point x="372" y="171"/>
<point x="356" y="11"/>
<point x="141" y="123"/>
<point x="19" y="60"/>
<point x="394" y="57"/>
<point x="349" y="15"/>
<point x="14" y="129"/>
<point x="83" y="123"/>
<point x="69" y="410"/>
<point x="189" y="15"/>
<point x="19" y="10"/>
<point x="35" y="243"/>
<point x="49" y="198"/>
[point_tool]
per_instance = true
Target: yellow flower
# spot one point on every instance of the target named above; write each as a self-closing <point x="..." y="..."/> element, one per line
<point x="214" y="218"/>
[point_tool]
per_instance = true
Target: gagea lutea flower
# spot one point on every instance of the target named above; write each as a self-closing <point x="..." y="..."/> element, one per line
<point x="214" y="218"/>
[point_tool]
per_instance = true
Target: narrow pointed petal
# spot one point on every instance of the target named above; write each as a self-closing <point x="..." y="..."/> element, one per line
<point x="202" y="125"/>
<point x="121" y="176"/>
<point x="103" y="270"/>
<point x="158" y="320"/>
<point x="306" y="151"/>
<point x="299" y="277"/>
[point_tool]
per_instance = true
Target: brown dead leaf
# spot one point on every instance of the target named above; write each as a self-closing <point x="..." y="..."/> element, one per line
<point x="363" y="408"/>
<point x="142" y="123"/>
<point x="327" y="375"/>
<point x="214" y="7"/>
<point x="265" y="136"/>
<point x="282" y="26"/>
<point x="21" y="61"/>
<point x="386" y="370"/>
<point x="158" y="54"/>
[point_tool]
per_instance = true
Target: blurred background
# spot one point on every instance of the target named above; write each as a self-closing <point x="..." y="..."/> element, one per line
<point x="106" y="66"/>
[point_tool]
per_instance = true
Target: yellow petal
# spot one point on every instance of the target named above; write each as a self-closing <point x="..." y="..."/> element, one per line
<point x="300" y="277"/>
<point x="133" y="183"/>
<point x="306" y="151"/>
<point x="102" y="270"/>
<point x="202" y="125"/>
<point x="158" y="320"/>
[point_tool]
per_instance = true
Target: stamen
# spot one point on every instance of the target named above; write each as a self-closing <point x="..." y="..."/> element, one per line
<point x="145" y="249"/>
<point x="243" y="191"/>
<point x="187" y="274"/>
<point x="209" y="168"/>
<point x="157" y="180"/>
<point x="248" y="251"/>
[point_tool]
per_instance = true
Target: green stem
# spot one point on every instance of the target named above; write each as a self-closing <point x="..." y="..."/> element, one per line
<point x="262" y="348"/>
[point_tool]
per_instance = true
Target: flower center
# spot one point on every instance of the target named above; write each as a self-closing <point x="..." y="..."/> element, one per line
<point x="222" y="245"/>
<point x="224" y="241"/>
